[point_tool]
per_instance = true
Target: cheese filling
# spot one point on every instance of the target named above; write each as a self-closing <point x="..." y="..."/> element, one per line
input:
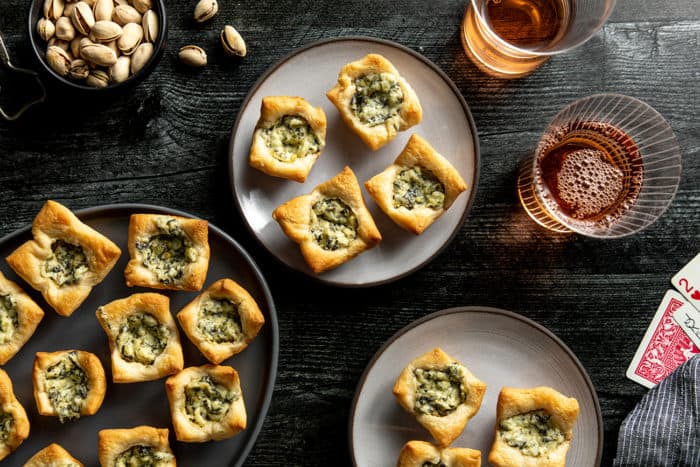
<point x="142" y="338"/>
<point x="67" y="387"/>
<point x="418" y="187"/>
<point x="67" y="264"/>
<point x="533" y="433"/>
<point x="378" y="97"/>
<point x="439" y="391"/>
<point x="142" y="456"/>
<point x="9" y="320"/>
<point x="169" y="252"/>
<point x="219" y="321"/>
<point x="207" y="401"/>
<point x="291" y="138"/>
<point x="333" y="224"/>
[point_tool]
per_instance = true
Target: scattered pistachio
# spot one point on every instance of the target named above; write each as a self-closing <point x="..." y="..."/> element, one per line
<point x="233" y="42"/>
<point x="105" y="31"/>
<point x="150" y="26"/>
<point x="82" y="17"/>
<point x="46" y="29"/>
<point x="58" y="60"/>
<point x="79" y="69"/>
<point x="143" y="54"/>
<point x="64" y="29"/>
<point x="124" y="14"/>
<point x="103" y="10"/>
<point x="97" y="79"/>
<point x="142" y="6"/>
<point x="205" y="10"/>
<point x="193" y="56"/>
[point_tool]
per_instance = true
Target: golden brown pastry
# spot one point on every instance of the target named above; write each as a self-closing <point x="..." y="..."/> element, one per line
<point x="19" y="318"/>
<point x="422" y="454"/>
<point x="53" y="455"/>
<point x="222" y="321"/>
<point x="441" y="393"/>
<point x="143" y="338"/>
<point x="68" y="384"/>
<point x="374" y="100"/>
<point x="14" y="425"/>
<point x="331" y="224"/>
<point x="65" y="260"/>
<point x="288" y="137"/>
<point x="142" y="445"/>
<point x="534" y="428"/>
<point x="418" y="187"/>
<point x="167" y="252"/>
<point x="206" y="403"/>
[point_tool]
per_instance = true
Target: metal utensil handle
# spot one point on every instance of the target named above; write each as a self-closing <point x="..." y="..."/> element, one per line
<point x="4" y="54"/>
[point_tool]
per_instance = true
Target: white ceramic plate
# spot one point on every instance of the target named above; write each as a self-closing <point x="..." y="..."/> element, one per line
<point x="310" y="72"/>
<point x="499" y="347"/>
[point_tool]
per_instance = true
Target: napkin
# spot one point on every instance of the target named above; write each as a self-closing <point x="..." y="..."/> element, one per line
<point x="664" y="427"/>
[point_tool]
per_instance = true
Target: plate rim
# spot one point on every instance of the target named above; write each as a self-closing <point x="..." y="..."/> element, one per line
<point x="426" y="61"/>
<point x="471" y="309"/>
<point x="274" y="325"/>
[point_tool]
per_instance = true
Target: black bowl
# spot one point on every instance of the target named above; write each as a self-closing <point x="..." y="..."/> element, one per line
<point x="36" y="12"/>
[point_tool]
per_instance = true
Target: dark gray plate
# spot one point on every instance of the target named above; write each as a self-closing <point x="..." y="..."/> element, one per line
<point x="129" y="405"/>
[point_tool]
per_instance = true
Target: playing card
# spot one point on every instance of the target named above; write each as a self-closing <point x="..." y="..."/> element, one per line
<point x="688" y="318"/>
<point x="687" y="281"/>
<point x="665" y="345"/>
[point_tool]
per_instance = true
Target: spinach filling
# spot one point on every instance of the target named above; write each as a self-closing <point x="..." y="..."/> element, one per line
<point x="142" y="338"/>
<point x="219" y="321"/>
<point x="9" y="319"/>
<point x="333" y="224"/>
<point x="533" y="433"/>
<point x="67" y="386"/>
<point x="378" y="97"/>
<point x="439" y="463"/>
<point x="417" y="186"/>
<point x="167" y="253"/>
<point x="6" y="422"/>
<point x="207" y="401"/>
<point x="66" y="265"/>
<point x="291" y="138"/>
<point x="439" y="391"/>
<point x="142" y="456"/>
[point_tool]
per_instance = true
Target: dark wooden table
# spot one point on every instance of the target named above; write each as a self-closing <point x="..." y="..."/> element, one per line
<point x="165" y="142"/>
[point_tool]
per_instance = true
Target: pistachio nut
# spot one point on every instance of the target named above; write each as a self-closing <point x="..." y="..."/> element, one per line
<point x="98" y="54"/>
<point x="143" y="54"/>
<point x="120" y="71"/>
<point x="233" y="42"/>
<point x="142" y="6"/>
<point x="91" y="3"/>
<point x="97" y="79"/>
<point x="131" y="38"/>
<point x="58" y="59"/>
<point x="53" y="9"/>
<point x="68" y="10"/>
<point x="79" y="69"/>
<point x="113" y="45"/>
<point x="124" y="14"/>
<point x="64" y="29"/>
<point x="46" y="29"/>
<point x="120" y="2"/>
<point x="105" y="31"/>
<point x="205" y="10"/>
<point x="150" y="26"/>
<point x="84" y="41"/>
<point x="75" y="46"/>
<point x="193" y="56"/>
<point x="103" y="10"/>
<point x="82" y="17"/>
<point x="56" y="42"/>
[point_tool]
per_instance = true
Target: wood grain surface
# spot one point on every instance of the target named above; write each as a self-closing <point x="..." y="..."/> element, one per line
<point x="165" y="142"/>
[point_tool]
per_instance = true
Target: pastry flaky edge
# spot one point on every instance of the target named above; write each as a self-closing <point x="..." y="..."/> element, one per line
<point x="417" y="152"/>
<point x="416" y="453"/>
<point x="10" y="405"/>
<point x="91" y="365"/>
<point x="56" y="222"/>
<point x="294" y="217"/>
<point x="188" y="431"/>
<point x="341" y="95"/>
<point x="252" y="320"/>
<point x="112" y="316"/>
<point x="515" y="401"/>
<point x="444" y="429"/>
<point x="53" y="455"/>
<point x="142" y="227"/>
<point x="112" y="442"/>
<point x="272" y="109"/>
<point x="29" y="315"/>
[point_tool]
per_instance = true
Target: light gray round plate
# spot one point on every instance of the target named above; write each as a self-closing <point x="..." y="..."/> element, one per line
<point x="311" y="71"/>
<point x="130" y="405"/>
<point x="502" y="349"/>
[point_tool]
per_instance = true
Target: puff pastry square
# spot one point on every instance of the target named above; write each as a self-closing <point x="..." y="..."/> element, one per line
<point x="374" y="100"/>
<point x="53" y="455"/>
<point x="19" y="318"/>
<point x="534" y="427"/>
<point x="206" y="403"/>
<point x="441" y="393"/>
<point x="14" y="425"/>
<point x="222" y="321"/>
<point x="143" y="339"/>
<point x="68" y="384"/>
<point x="288" y="137"/>
<point x="167" y="252"/>
<point x="418" y="187"/>
<point x="66" y="258"/>
<point x="142" y="445"/>
<point x="331" y="224"/>
<point x="420" y="453"/>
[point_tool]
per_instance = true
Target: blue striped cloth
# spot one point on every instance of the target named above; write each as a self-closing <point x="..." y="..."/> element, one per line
<point x="664" y="428"/>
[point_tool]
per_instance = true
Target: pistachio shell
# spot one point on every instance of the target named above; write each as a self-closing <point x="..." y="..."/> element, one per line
<point x="97" y="79"/>
<point x="90" y="3"/>
<point x="106" y="31"/>
<point x="83" y="19"/>
<point x="205" y="10"/>
<point x="53" y="9"/>
<point x="75" y="46"/>
<point x="59" y="43"/>
<point x="98" y="54"/>
<point x="142" y="55"/>
<point x="150" y="26"/>
<point x="124" y="14"/>
<point x="233" y="42"/>
<point x="68" y="10"/>
<point x="142" y="6"/>
<point x="79" y="69"/>
<point x="113" y="45"/>
<point x="120" y="71"/>
<point x="64" y="29"/>
<point x="193" y="56"/>
<point x="131" y="38"/>
<point x="85" y="41"/>
<point x="103" y="10"/>
<point x="58" y="59"/>
<point x="46" y="29"/>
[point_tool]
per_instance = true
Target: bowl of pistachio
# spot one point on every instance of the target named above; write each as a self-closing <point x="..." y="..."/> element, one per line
<point x="98" y="44"/>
